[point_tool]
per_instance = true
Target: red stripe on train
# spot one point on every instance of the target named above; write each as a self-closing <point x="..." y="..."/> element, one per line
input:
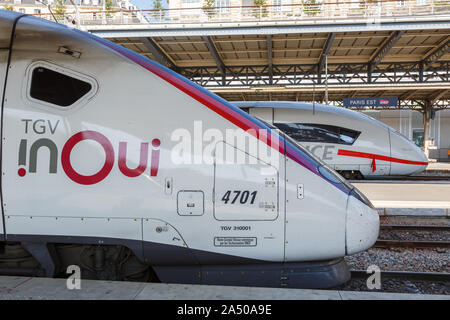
<point x="349" y="153"/>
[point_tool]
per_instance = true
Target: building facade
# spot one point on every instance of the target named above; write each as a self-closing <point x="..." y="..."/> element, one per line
<point x="242" y="10"/>
<point x="89" y="11"/>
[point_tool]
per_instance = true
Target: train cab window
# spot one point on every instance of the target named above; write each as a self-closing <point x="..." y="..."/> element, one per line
<point x="347" y="136"/>
<point x="310" y="132"/>
<point x="57" y="88"/>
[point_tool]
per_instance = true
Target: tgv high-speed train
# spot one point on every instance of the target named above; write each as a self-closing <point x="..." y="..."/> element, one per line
<point x="352" y="143"/>
<point x="117" y="165"/>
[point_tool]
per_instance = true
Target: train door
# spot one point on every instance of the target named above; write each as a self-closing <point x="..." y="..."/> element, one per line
<point x="3" y="66"/>
<point x="312" y="204"/>
<point x="51" y="97"/>
<point x="4" y="52"/>
<point x="247" y="202"/>
<point x="6" y="26"/>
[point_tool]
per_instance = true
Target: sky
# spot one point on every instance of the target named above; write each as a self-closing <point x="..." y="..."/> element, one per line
<point x="147" y="4"/>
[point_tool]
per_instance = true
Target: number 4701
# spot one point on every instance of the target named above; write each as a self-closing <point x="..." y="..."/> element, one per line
<point x="243" y="196"/>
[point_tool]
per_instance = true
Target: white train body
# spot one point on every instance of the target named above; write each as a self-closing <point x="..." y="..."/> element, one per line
<point x="92" y="163"/>
<point x="348" y="141"/>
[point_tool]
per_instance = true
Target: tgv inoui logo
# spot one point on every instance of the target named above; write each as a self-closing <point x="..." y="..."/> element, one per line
<point x="39" y="127"/>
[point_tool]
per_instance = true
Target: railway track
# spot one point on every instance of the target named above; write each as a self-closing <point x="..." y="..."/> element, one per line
<point x="411" y="244"/>
<point x="427" y="276"/>
<point x="418" y="228"/>
<point x="424" y="276"/>
<point x="388" y="243"/>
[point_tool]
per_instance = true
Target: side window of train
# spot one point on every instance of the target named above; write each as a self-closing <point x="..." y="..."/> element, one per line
<point x="308" y="132"/>
<point x="54" y="86"/>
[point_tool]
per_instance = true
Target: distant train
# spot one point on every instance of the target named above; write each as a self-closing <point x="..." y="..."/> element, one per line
<point x="352" y="143"/>
<point x="118" y="165"/>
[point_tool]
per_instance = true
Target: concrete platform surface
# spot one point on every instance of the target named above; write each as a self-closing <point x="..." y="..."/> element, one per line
<point x="26" y="288"/>
<point x="411" y="195"/>
<point x="422" y="212"/>
<point x="436" y="169"/>
<point x="438" y="166"/>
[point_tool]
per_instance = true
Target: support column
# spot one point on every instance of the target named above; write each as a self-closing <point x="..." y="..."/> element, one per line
<point x="319" y="75"/>
<point x="421" y="71"/>
<point x="323" y="56"/>
<point x="270" y="59"/>
<point x="212" y="49"/>
<point x="427" y="109"/>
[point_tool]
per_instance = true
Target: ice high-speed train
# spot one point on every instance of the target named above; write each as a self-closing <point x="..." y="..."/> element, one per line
<point x="117" y="165"/>
<point x="352" y="143"/>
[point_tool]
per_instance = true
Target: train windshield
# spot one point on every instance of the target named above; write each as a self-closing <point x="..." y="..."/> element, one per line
<point x="313" y="132"/>
<point x="334" y="177"/>
<point x="325" y="171"/>
<point x="293" y="141"/>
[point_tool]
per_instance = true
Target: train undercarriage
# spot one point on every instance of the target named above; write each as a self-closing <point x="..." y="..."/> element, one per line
<point x="119" y="263"/>
<point x="351" y="174"/>
<point x="96" y="262"/>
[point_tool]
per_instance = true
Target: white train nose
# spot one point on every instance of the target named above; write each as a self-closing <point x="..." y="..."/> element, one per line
<point x="421" y="157"/>
<point x="410" y="158"/>
<point x="362" y="225"/>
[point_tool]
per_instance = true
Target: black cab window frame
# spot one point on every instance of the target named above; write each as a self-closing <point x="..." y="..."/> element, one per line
<point x="66" y="72"/>
<point x="329" y="133"/>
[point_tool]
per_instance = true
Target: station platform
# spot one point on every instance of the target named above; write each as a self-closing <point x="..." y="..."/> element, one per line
<point x="437" y="169"/>
<point x="410" y="198"/>
<point x="439" y="166"/>
<point x="26" y="288"/>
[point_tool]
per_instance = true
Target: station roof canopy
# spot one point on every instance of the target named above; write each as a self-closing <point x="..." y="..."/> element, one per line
<point x="300" y="49"/>
<point x="398" y="53"/>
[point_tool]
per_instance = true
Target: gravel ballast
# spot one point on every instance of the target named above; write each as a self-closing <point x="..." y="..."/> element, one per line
<point x="401" y="259"/>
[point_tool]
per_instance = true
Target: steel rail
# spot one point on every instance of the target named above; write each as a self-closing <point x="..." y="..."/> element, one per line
<point x="400" y="227"/>
<point x="411" y="244"/>
<point x="426" y="276"/>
